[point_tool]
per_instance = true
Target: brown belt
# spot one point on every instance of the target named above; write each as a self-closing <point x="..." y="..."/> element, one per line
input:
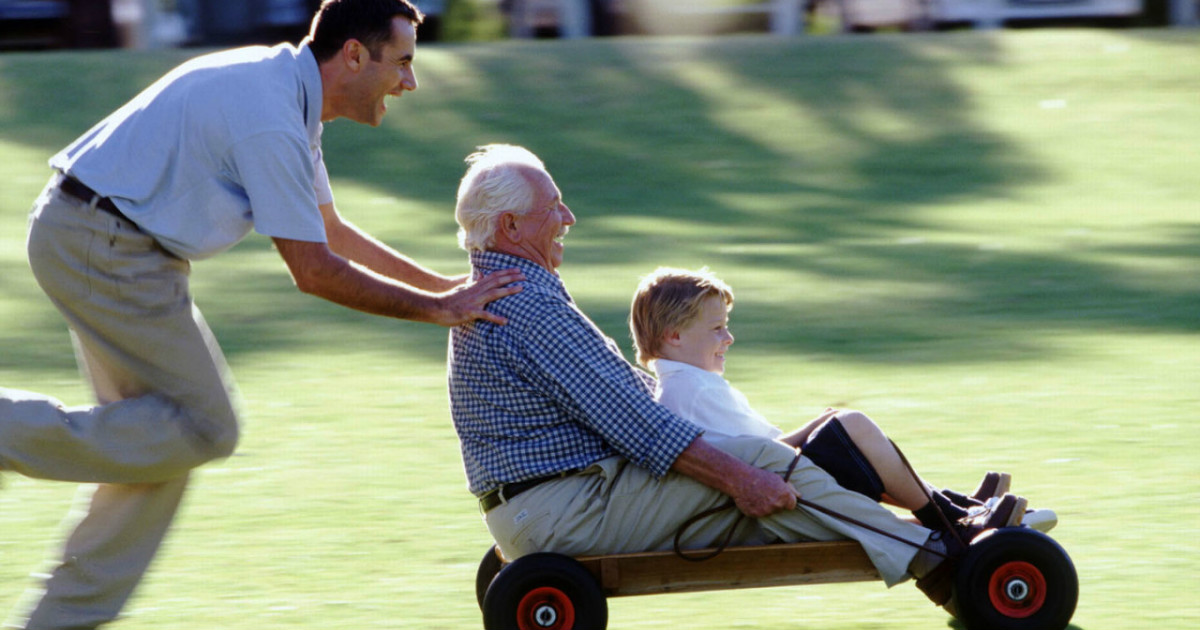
<point x="84" y="193"/>
<point x="506" y="492"/>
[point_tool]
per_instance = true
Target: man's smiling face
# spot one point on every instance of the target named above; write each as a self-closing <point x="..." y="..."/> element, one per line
<point x="389" y="72"/>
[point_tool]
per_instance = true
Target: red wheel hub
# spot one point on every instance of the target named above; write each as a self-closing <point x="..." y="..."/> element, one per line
<point x="1017" y="589"/>
<point x="546" y="608"/>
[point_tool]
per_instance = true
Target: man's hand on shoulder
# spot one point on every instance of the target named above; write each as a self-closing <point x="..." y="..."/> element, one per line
<point x="318" y="271"/>
<point x="467" y="302"/>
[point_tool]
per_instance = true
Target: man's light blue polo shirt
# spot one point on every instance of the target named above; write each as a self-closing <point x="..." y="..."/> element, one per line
<point x="221" y="145"/>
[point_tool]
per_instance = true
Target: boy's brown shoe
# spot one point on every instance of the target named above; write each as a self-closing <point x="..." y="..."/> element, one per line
<point x="1006" y="512"/>
<point x="994" y="484"/>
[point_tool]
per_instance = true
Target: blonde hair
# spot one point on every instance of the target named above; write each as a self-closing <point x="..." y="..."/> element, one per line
<point x="670" y="299"/>
<point x="494" y="183"/>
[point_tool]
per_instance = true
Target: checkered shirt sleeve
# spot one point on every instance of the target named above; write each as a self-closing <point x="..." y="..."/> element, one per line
<point x="549" y="392"/>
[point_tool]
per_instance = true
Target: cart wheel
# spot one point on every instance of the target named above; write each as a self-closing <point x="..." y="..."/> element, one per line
<point x="1015" y="579"/>
<point x="544" y="591"/>
<point x="488" y="568"/>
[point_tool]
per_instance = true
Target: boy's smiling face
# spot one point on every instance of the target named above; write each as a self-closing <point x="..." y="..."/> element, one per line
<point x="703" y="342"/>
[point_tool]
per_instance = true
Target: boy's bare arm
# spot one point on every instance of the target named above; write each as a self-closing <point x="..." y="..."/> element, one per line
<point x="797" y="438"/>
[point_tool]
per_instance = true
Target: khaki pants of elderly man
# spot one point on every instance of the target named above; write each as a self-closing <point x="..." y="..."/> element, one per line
<point x="617" y="507"/>
<point x="164" y="406"/>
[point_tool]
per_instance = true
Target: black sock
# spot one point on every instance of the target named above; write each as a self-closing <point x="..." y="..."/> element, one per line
<point x="930" y="514"/>
<point x="960" y="499"/>
<point x="952" y="511"/>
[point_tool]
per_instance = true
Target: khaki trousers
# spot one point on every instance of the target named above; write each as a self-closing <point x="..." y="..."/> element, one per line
<point x="617" y="507"/>
<point x="165" y="406"/>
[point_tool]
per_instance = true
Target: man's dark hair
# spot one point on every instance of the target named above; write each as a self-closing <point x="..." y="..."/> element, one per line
<point x="368" y="21"/>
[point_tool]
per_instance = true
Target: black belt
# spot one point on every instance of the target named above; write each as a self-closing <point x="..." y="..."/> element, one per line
<point x="84" y="193"/>
<point x="506" y="492"/>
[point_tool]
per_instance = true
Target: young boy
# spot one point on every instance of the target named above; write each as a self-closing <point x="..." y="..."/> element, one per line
<point x="679" y="320"/>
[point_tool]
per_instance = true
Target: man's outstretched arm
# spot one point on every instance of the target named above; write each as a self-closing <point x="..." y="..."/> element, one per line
<point x="318" y="271"/>
<point x="350" y="242"/>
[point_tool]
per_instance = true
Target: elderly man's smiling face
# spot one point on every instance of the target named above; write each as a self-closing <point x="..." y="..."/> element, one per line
<point x="538" y="233"/>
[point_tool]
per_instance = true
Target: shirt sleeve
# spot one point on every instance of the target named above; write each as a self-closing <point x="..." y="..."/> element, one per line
<point x="321" y="185"/>
<point x="276" y="170"/>
<point x="648" y="382"/>
<point x="575" y="364"/>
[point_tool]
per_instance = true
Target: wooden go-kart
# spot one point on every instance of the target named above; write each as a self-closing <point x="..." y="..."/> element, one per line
<point x="1014" y="578"/>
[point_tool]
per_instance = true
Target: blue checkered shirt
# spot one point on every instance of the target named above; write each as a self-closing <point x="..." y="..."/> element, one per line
<point x="549" y="392"/>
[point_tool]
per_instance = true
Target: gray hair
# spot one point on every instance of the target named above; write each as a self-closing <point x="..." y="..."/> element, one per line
<point x="494" y="184"/>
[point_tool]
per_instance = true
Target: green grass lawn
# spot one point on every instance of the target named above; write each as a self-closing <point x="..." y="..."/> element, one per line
<point x="990" y="242"/>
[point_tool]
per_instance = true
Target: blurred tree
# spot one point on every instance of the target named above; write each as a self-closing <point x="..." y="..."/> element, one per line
<point x="471" y="20"/>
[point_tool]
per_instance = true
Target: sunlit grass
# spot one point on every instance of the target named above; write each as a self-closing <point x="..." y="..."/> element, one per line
<point x="987" y="241"/>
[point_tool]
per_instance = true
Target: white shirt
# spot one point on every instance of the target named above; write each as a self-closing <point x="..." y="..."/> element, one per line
<point x="708" y="400"/>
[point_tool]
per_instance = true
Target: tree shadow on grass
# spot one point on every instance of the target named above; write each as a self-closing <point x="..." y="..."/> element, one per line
<point x="826" y="142"/>
<point x="51" y="98"/>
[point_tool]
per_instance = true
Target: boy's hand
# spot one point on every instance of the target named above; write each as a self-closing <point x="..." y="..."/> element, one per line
<point x="827" y="414"/>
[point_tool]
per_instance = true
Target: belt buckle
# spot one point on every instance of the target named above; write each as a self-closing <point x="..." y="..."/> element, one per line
<point x="65" y="181"/>
<point x="486" y="499"/>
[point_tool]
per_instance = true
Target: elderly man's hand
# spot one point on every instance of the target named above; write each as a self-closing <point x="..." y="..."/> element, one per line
<point x="467" y="302"/>
<point x="760" y="493"/>
<point x="757" y="492"/>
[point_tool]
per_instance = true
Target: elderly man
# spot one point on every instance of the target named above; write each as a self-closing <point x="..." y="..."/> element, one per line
<point x="564" y="445"/>
<point x="227" y="143"/>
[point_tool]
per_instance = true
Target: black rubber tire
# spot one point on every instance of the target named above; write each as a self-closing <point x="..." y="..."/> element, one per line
<point x="544" y="591"/>
<point x="1015" y="579"/>
<point x="489" y="566"/>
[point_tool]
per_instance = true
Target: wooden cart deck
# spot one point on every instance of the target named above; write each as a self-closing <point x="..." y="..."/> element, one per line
<point x="1014" y="578"/>
<point x="735" y="567"/>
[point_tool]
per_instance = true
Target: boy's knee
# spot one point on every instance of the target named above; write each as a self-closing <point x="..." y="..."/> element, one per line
<point x="858" y="424"/>
<point x="852" y="418"/>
